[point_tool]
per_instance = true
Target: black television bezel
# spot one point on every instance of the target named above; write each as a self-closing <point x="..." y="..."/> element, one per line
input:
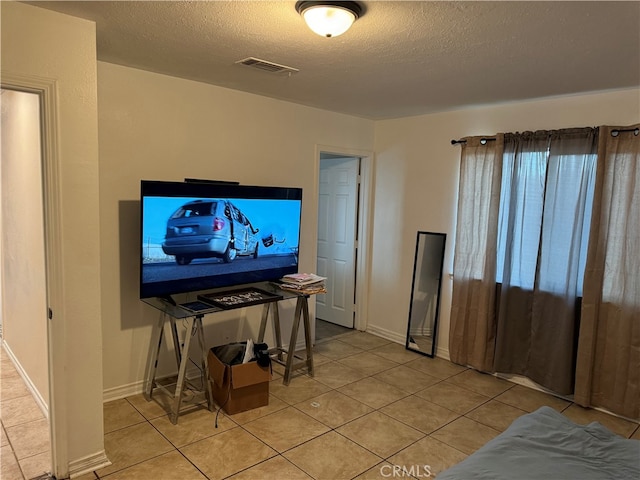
<point x="231" y="190"/>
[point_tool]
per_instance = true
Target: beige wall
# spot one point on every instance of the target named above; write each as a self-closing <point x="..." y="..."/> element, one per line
<point x="23" y="270"/>
<point x="417" y="172"/>
<point x="44" y="47"/>
<point x="157" y="127"/>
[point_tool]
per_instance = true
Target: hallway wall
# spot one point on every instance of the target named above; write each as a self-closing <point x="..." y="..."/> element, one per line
<point x="58" y="50"/>
<point x="23" y="268"/>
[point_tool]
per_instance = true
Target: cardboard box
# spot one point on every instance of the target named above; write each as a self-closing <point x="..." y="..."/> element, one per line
<point x="237" y="388"/>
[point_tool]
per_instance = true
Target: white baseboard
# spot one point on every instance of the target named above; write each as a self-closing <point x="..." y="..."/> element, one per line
<point x="116" y="393"/>
<point x="136" y="388"/>
<point x="421" y="332"/>
<point x="443" y="352"/>
<point x="88" y="464"/>
<point x="29" y="384"/>
<point x="386" y="334"/>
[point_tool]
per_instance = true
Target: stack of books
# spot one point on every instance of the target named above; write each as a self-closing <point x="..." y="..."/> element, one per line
<point x="307" y="283"/>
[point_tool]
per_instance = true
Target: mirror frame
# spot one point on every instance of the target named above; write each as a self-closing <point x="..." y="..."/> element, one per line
<point x="420" y="233"/>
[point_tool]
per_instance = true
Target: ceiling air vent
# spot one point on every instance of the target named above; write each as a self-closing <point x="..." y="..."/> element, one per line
<point x="266" y="66"/>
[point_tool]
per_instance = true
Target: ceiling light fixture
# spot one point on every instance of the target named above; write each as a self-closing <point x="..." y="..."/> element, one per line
<point x="328" y="18"/>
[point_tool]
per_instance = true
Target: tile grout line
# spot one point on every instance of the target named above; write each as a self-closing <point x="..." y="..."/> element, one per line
<point x="337" y="360"/>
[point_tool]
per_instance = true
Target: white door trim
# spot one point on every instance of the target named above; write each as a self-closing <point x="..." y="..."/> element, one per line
<point x="47" y="91"/>
<point x="365" y="223"/>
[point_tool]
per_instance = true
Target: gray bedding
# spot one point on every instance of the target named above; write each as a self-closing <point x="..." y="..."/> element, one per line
<point x="547" y="445"/>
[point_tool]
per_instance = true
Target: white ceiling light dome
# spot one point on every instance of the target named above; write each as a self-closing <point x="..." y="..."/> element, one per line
<point x="327" y="18"/>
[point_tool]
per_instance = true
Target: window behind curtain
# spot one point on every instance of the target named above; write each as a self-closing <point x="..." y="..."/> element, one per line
<point x="545" y="213"/>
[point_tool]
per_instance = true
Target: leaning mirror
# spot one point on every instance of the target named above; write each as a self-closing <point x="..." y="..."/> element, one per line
<point x="425" y="293"/>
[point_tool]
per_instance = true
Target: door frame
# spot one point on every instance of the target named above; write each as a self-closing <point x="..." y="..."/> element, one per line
<point x="364" y="227"/>
<point x="47" y="91"/>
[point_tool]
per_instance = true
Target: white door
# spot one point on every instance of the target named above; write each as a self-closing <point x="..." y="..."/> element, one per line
<point x="337" y="226"/>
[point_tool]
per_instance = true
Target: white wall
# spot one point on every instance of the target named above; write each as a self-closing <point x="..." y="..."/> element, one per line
<point x="158" y="127"/>
<point x="1" y="256"/>
<point x="417" y="183"/>
<point x="42" y="46"/>
<point x="23" y="270"/>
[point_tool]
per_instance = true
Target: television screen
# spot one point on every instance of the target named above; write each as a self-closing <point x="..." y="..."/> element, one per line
<point x="203" y="235"/>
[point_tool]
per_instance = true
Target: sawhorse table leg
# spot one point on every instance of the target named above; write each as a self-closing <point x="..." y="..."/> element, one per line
<point x="193" y="327"/>
<point x="301" y="313"/>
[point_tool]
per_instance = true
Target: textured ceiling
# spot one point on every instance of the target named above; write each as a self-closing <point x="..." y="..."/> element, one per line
<point x="399" y="59"/>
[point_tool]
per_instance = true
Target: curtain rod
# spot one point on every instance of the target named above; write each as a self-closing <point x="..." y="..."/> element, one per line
<point x="483" y="141"/>
<point x="615" y="133"/>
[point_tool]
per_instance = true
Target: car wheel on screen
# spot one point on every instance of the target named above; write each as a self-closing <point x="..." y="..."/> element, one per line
<point x="229" y="254"/>
<point x="183" y="260"/>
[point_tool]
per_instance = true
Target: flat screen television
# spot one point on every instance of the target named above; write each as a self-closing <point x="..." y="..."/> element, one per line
<point x="202" y="235"/>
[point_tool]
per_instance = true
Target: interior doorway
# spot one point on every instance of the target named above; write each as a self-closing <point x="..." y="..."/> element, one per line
<point x="337" y="237"/>
<point x="344" y="190"/>
<point x="23" y="278"/>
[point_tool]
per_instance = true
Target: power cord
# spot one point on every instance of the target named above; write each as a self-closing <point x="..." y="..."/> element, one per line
<point x="220" y="407"/>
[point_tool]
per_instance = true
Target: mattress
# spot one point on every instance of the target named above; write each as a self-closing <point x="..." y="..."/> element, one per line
<point x="547" y="445"/>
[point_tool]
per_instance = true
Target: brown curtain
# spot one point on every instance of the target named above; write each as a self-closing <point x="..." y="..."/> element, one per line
<point x="548" y="177"/>
<point x="608" y="360"/>
<point x="473" y="324"/>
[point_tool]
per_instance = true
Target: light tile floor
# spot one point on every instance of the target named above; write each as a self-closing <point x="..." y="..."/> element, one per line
<point x="371" y="405"/>
<point x="25" y="450"/>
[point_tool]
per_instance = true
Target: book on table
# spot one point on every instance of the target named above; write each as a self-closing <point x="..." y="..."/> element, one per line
<point x="308" y="283"/>
<point x="302" y="279"/>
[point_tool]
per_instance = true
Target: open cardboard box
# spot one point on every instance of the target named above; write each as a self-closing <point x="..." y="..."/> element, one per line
<point x="237" y="388"/>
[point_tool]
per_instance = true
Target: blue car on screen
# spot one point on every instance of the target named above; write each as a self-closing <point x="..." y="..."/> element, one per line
<point x="209" y="228"/>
